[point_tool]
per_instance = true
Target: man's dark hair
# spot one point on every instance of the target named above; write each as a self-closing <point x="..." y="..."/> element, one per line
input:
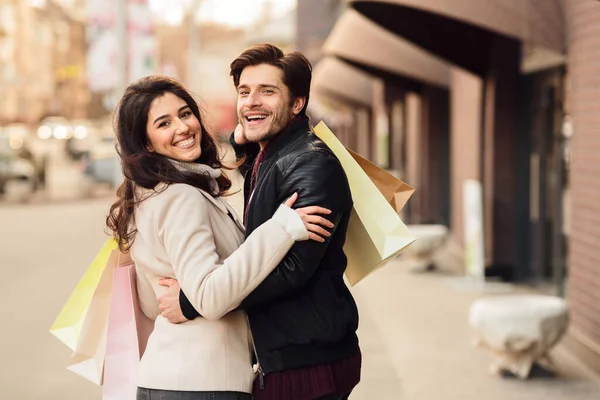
<point x="297" y="71"/>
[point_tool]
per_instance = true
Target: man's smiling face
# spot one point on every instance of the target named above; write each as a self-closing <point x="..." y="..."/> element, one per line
<point x="264" y="104"/>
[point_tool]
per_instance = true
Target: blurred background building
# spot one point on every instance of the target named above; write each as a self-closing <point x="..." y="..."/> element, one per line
<point x="503" y="93"/>
<point x="42" y="49"/>
<point x="439" y="92"/>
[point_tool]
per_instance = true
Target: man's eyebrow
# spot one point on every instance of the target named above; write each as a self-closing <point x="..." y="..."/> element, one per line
<point x="261" y="86"/>
<point x="167" y="115"/>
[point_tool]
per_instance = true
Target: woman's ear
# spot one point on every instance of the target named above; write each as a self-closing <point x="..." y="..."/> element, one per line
<point x="149" y="147"/>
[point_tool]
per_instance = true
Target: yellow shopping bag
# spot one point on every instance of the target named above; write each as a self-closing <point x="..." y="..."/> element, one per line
<point x="89" y="358"/>
<point x="67" y="326"/>
<point x="90" y="349"/>
<point x="375" y="232"/>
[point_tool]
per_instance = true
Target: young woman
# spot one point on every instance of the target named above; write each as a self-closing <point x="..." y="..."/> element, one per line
<point x="172" y="217"/>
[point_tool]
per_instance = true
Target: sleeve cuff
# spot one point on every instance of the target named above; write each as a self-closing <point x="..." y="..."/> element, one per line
<point x="232" y="140"/>
<point x="187" y="309"/>
<point x="239" y="149"/>
<point x="291" y="222"/>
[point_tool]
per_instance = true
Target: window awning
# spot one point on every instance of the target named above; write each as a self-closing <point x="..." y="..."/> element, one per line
<point x="461" y="31"/>
<point x="336" y="79"/>
<point x="363" y="43"/>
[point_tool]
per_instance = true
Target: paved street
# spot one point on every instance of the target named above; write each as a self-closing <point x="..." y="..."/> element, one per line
<point x="414" y="335"/>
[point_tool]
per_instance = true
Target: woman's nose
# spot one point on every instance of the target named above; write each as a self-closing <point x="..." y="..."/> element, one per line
<point x="181" y="127"/>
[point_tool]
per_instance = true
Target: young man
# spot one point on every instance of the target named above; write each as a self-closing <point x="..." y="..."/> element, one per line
<point x="302" y="317"/>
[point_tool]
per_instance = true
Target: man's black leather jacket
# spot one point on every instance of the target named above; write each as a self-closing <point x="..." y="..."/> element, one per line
<point x="302" y="314"/>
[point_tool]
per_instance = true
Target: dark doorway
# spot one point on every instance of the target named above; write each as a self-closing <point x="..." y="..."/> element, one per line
<point x="541" y="179"/>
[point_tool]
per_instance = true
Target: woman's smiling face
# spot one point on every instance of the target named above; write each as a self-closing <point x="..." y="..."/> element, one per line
<point x="173" y="130"/>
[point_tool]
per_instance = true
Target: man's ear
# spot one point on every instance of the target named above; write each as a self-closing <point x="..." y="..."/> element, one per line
<point x="299" y="103"/>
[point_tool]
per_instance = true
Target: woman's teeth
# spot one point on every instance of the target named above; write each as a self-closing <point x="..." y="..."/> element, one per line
<point x="186" y="143"/>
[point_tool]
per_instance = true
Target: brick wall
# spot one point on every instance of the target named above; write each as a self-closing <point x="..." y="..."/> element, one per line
<point x="583" y="105"/>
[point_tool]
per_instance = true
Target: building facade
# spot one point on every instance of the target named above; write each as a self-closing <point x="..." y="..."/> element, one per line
<point x="517" y="112"/>
<point x="42" y="54"/>
<point x="583" y="109"/>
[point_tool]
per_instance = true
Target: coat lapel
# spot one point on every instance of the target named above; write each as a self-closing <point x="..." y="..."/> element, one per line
<point x="224" y="208"/>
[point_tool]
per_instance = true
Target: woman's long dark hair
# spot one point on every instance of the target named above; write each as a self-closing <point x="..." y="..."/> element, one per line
<point x="147" y="169"/>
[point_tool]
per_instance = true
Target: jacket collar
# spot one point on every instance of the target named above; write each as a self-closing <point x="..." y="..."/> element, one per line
<point x="298" y="126"/>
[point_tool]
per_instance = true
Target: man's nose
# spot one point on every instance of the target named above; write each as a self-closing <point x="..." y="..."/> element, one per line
<point x="253" y="100"/>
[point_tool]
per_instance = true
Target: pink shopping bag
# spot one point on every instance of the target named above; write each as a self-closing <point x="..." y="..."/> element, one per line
<point x="128" y="332"/>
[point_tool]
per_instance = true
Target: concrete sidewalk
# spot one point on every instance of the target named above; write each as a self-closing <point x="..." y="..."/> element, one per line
<point x="416" y="345"/>
<point x="414" y="334"/>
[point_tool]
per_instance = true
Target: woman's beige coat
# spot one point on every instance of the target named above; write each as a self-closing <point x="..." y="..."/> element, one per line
<point x="185" y="233"/>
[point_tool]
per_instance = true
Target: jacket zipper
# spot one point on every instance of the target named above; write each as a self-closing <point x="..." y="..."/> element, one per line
<point x="256" y="367"/>
<point x="255" y="183"/>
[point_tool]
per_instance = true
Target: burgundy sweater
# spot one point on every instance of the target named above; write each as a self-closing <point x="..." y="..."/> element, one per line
<point x="312" y="382"/>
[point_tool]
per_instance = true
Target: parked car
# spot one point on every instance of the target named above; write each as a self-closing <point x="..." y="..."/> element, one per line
<point x="102" y="163"/>
<point x="13" y="166"/>
<point x="55" y="127"/>
<point x="81" y="142"/>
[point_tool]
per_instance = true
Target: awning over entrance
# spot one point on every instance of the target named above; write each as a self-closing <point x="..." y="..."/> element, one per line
<point x="336" y="79"/>
<point x="363" y="43"/>
<point x="461" y="31"/>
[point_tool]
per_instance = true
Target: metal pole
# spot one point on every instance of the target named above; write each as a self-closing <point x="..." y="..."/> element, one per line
<point x="122" y="69"/>
<point x="123" y="47"/>
<point x="193" y="48"/>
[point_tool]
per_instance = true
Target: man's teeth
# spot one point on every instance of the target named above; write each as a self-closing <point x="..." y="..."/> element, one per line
<point x="255" y="117"/>
<point x="185" y="143"/>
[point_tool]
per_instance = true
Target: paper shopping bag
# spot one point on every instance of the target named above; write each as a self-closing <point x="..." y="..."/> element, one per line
<point x="90" y="349"/>
<point x="67" y="326"/>
<point x="375" y="232"/>
<point x="393" y="189"/>
<point x="127" y="335"/>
